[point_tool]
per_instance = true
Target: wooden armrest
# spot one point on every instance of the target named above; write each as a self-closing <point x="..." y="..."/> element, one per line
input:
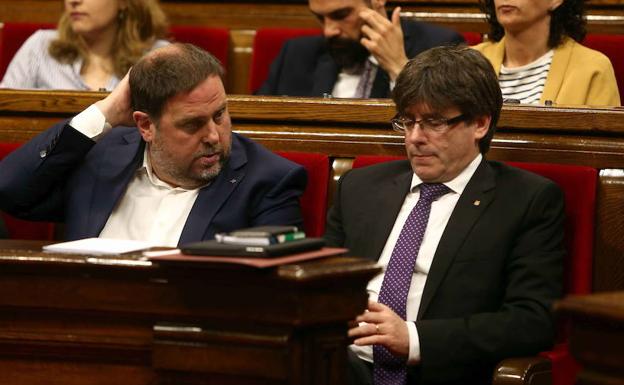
<point x="523" y="370"/>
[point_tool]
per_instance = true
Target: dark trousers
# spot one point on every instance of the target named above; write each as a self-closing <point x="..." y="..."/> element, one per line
<point x="359" y="372"/>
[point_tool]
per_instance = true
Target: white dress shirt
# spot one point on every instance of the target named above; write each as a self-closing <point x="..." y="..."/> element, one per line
<point x="347" y="83"/>
<point x="441" y="211"/>
<point x="150" y="209"/>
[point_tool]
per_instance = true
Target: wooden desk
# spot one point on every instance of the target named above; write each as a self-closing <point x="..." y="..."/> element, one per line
<point x="67" y="319"/>
<point x="597" y="338"/>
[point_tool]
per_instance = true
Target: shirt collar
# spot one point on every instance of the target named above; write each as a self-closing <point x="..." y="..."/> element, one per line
<point x="146" y="168"/>
<point x="457" y="184"/>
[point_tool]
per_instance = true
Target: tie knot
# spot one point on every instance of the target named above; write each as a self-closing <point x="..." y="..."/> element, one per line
<point x="431" y="191"/>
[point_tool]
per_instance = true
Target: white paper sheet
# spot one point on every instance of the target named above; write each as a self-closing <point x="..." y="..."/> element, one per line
<point x="98" y="246"/>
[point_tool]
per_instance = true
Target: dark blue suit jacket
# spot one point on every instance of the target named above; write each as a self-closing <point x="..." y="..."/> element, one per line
<point x="304" y="67"/>
<point x="61" y="175"/>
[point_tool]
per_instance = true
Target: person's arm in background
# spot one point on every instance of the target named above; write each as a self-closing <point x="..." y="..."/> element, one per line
<point x="603" y="89"/>
<point x="383" y="38"/>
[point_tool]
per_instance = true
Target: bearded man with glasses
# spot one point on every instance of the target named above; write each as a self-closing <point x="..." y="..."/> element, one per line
<point x="472" y="249"/>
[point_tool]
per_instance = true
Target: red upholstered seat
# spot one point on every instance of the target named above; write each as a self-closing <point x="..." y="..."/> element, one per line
<point x="17" y="228"/>
<point x="314" y="198"/>
<point x="12" y="36"/>
<point x="266" y="46"/>
<point x="214" y="40"/>
<point x="612" y="46"/>
<point x="579" y="185"/>
<point x="472" y="38"/>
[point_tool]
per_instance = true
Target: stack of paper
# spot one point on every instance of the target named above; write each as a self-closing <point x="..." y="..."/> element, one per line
<point x="98" y="246"/>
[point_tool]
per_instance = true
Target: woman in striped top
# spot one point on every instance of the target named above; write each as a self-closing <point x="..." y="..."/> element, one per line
<point x="96" y="43"/>
<point x="535" y="51"/>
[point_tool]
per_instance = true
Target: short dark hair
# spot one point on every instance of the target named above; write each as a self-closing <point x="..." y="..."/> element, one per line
<point x="567" y="20"/>
<point x="167" y="72"/>
<point x="451" y="77"/>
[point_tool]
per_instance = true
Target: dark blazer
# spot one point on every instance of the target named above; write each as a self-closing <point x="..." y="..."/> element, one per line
<point x="495" y="273"/>
<point x="61" y="175"/>
<point x="304" y="67"/>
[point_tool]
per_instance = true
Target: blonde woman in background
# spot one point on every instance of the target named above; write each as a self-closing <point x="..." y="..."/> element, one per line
<point x="95" y="44"/>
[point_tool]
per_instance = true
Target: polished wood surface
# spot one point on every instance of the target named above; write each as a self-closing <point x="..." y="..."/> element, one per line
<point x="345" y="128"/>
<point x="597" y="337"/>
<point x="78" y="319"/>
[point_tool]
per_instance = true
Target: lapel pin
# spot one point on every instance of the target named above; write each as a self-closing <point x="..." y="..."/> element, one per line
<point x="476" y="203"/>
<point x="233" y="181"/>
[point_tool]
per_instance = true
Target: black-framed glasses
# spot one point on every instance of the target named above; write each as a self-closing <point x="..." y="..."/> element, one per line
<point x="435" y="125"/>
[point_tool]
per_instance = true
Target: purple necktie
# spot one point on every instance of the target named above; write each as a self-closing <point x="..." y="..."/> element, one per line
<point x="388" y="369"/>
<point x="365" y="85"/>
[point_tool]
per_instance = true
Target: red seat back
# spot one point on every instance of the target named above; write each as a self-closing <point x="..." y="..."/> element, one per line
<point x="266" y="46"/>
<point x="214" y="40"/>
<point x="314" y="198"/>
<point x="579" y="184"/>
<point x="472" y="38"/>
<point x="12" y="36"/>
<point x="612" y="46"/>
<point x="20" y="229"/>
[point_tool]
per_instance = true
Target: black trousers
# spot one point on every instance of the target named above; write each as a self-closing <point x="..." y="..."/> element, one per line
<point x="359" y="372"/>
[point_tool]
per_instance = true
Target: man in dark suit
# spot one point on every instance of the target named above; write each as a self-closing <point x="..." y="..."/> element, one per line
<point x="470" y="272"/>
<point x="180" y="175"/>
<point x="360" y="55"/>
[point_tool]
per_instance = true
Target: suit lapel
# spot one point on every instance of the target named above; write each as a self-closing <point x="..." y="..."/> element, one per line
<point x="113" y="176"/>
<point x="381" y="85"/>
<point x="391" y="200"/>
<point x="325" y="75"/>
<point x="212" y="197"/>
<point x="480" y="188"/>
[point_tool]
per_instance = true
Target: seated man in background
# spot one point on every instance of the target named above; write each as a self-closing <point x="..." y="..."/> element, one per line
<point x="180" y="175"/>
<point x="471" y="249"/>
<point x="360" y="54"/>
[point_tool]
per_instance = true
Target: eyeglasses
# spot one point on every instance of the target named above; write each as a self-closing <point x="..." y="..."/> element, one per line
<point x="434" y="125"/>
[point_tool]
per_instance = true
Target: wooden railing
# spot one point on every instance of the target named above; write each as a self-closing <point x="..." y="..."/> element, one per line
<point x="346" y="128"/>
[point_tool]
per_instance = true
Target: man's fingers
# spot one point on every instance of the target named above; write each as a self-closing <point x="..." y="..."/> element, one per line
<point x="376" y="306"/>
<point x="363" y="329"/>
<point x="374" y="19"/>
<point x="370" y="317"/>
<point x="374" y="339"/>
<point x="396" y="16"/>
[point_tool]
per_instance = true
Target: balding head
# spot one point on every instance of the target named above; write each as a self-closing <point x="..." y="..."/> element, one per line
<point x="166" y="72"/>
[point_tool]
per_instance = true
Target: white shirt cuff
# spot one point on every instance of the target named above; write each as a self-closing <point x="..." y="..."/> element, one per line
<point x="91" y="122"/>
<point x="413" y="357"/>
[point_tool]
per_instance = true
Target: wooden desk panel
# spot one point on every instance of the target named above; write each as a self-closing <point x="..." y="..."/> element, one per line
<point x="597" y="336"/>
<point x="76" y="320"/>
